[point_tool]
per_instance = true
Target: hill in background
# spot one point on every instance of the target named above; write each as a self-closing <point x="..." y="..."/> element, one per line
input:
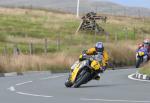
<point x="85" y="6"/>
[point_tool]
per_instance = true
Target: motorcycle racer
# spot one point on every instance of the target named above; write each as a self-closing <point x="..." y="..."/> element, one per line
<point x="146" y="45"/>
<point x="98" y="49"/>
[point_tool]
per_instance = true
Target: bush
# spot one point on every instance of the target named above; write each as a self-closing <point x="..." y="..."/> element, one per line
<point x="121" y="55"/>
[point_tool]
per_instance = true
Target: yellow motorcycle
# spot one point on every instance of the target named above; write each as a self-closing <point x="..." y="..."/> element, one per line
<point x="84" y="70"/>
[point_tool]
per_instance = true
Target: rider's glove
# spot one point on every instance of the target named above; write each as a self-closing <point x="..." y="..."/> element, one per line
<point x="84" y="51"/>
<point x="82" y="57"/>
<point x="103" y="68"/>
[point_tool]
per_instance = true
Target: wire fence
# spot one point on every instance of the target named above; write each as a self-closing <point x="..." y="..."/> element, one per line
<point x="60" y="44"/>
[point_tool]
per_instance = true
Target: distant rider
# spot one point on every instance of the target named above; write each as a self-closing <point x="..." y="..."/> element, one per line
<point x="145" y="44"/>
<point x="98" y="49"/>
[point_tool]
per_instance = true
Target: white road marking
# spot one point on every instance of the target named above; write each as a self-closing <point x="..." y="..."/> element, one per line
<point x="131" y="77"/>
<point x="35" y="95"/>
<point x="23" y="83"/>
<point x="51" y="77"/>
<point x="108" y="100"/>
<point x="11" y="88"/>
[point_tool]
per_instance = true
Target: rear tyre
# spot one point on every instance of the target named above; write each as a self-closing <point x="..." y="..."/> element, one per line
<point x="82" y="79"/>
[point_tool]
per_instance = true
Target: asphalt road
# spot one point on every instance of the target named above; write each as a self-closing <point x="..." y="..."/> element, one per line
<point x="114" y="87"/>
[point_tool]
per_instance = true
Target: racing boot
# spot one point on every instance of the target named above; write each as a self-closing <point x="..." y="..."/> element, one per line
<point x="97" y="77"/>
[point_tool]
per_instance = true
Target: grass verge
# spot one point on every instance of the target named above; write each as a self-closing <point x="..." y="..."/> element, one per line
<point x="23" y="63"/>
<point x="145" y="69"/>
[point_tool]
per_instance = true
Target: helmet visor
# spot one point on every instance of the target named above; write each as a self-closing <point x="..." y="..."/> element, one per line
<point x="99" y="49"/>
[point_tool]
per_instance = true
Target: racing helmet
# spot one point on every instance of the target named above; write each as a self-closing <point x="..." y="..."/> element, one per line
<point x="99" y="47"/>
<point x="146" y="42"/>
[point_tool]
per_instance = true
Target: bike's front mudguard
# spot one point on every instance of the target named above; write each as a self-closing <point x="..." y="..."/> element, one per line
<point x="74" y="74"/>
<point x="72" y="77"/>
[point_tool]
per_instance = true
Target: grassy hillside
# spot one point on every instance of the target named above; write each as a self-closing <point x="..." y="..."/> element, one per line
<point x="20" y="27"/>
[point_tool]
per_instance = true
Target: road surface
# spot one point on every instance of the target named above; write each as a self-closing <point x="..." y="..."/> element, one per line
<point x="114" y="87"/>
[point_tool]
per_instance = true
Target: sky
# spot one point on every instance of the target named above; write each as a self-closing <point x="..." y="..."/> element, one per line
<point x="135" y="3"/>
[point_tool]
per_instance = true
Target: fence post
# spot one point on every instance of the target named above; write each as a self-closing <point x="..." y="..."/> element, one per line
<point x="45" y="45"/>
<point x="107" y="36"/>
<point x="134" y="31"/>
<point x="31" y="48"/>
<point x="16" y="50"/>
<point x="5" y="51"/>
<point x="58" y="42"/>
<point x="116" y="37"/>
<point x="95" y="34"/>
<point x="125" y="33"/>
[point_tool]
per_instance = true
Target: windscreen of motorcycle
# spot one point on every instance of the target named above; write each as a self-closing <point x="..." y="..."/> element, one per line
<point x="81" y="64"/>
<point x="75" y="64"/>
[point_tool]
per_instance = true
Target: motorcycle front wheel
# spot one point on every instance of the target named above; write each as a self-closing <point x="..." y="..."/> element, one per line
<point x="68" y="83"/>
<point x="138" y="62"/>
<point x="82" y="79"/>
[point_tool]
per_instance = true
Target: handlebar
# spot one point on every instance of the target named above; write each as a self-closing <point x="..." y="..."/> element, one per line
<point x="90" y="57"/>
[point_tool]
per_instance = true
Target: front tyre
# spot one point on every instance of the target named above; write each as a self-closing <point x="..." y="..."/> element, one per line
<point x="68" y="83"/>
<point x="82" y="79"/>
<point x="138" y="62"/>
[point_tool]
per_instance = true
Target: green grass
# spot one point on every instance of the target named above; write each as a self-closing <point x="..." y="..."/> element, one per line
<point x="19" y="26"/>
<point x="39" y="26"/>
<point x="43" y="24"/>
<point x="145" y="69"/>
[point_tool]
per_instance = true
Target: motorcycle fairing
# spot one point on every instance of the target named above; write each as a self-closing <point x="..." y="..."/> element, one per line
<point x="76" y="70"/>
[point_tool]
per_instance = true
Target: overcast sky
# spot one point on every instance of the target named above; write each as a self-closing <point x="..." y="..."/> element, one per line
<point x="138" y="3"/>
